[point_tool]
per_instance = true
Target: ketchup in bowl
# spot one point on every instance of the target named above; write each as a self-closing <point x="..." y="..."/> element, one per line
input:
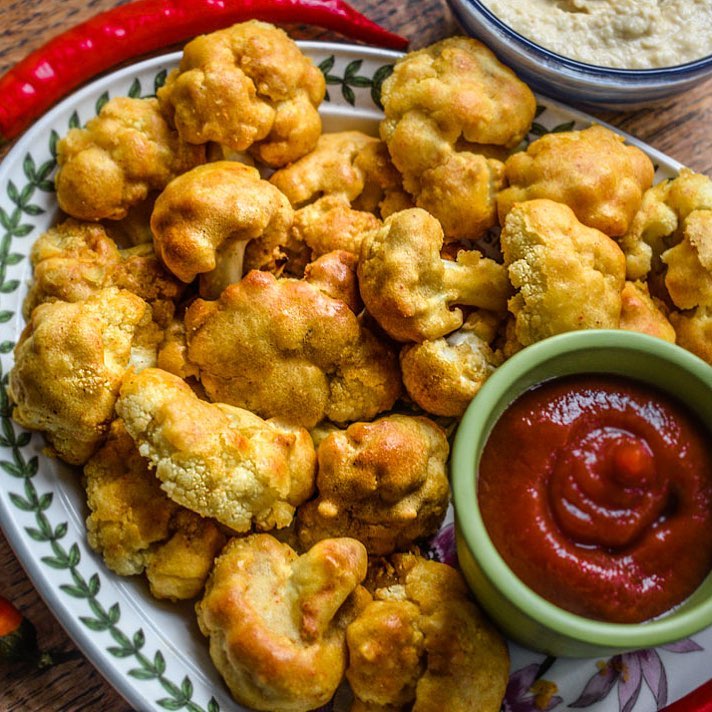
<point x="597" y="492"/>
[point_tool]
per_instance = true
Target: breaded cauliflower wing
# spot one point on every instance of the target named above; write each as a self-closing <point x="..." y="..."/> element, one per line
<point x="384" y="483"/>
<point x="216" y="460"/>
<point x="204" y="219"/>
<point x="422" y="644"/>
<point x="442" y="376"/>
<point x="124" y="153"/>
<point x="69" y="364"/>
<point x="411" y="291"/>
<point x="592" y="171"/>
<point x="445" y="105"/>
<point x="568" y="276"/>
<point x="283" y="348"/>
<point x="693" y="330"/>
<point x="334" y="274"/>
<point x="659" y="223"/>
<point x="75" y="259"/>
<point x="276" y="621"/>
<point x="248" y="87"/>
<point x="689" y="263"/>
<point x="641" y="312"/>
<point x="137" y="528"/>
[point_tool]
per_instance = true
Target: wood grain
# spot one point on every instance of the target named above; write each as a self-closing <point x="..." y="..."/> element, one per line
<point x="680" y="128"/>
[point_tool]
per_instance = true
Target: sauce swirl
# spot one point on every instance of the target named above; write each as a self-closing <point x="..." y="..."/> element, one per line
<point x="597" y="492"/>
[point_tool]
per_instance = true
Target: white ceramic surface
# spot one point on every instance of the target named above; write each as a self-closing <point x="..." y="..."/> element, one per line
<point x="152" y="652"/>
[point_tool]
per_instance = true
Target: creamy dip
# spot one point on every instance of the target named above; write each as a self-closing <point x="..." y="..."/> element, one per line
<point x="633" y="34"/>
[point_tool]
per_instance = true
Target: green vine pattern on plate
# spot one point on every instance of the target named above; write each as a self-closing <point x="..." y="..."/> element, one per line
<point x="65" y="556"/>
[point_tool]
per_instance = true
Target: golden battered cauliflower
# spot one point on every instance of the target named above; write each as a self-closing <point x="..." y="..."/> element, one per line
<point x="442" y="376"/>
<point x="334" y="274"/>
<point x="592" y="171"/>
<point x="73" y="260"/>
<point x="347" y="164"/>
<point x="248" y="87"/>
<point x="204" y="219"/>
<point x="641" y="312"/>
<point x="422" y="644"/>
<point x="384" y="483"/>
<point x="411" y="291"/>
<point x="69" y="364"/>
<point x="693" y="330"/>
<point x="445" y="106"/>
<point x="137" y="528"/>
<point x="276" y="621"/>
<point x="659" y="224"/>
<point x="689" y="263"/>
<point x="216" y="460"/>
<point x="568" y="276"/>
<point x="283" y="348"/>
<point x="124" y="153"/>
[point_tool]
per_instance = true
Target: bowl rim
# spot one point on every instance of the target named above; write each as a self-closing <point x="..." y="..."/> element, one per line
<point x="676" y="71"/>
<point x="671" y="625"/>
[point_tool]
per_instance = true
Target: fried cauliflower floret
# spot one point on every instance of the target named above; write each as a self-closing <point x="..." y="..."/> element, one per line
<point x="592" y="171"/>
<point x="137" y="528"/>
<point x="282" y="348"/>
<point x="384" y="483"/>
<point x="216" y="460"/>
<point x="641" y="312"/>
<point x="73" y="260"/>
<point x="442" y="376"/>
<point x="444" y="105"/>
<point x="204" y="219"/>
<point x="689" y="263"/>
<point x="422" y="644"/>
<point x="694" y="331"/>
<point x="334" y="274"/>
<point x="659" y="223"/>
<point x="411" y="291"/>
<point x="248" y="87"/>
<point x="276" y="621"/>
<point x="568" y="276"/>
<point x="69" y="364"/>
<point x="124" y="153"/>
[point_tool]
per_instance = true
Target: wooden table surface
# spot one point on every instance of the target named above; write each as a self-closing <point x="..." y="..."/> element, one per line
<point x="681" y="128"/>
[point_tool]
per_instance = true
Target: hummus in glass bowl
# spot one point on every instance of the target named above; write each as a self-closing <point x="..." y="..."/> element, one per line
<point x="619" y="54"/>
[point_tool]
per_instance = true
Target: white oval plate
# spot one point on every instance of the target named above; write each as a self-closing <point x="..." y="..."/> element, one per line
<point x="152" y="652"/>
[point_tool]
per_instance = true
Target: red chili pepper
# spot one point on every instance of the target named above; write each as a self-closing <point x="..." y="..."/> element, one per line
<point x="18" y="638"/>
<point x="127" y="31"/>
<point x="699" y="700"/>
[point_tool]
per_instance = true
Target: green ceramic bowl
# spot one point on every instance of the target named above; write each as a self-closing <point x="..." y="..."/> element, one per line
<point x="523" y="615"/>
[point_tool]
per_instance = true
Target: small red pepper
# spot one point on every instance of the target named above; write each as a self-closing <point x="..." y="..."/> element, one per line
<point x="699" y="700"/>
<point x="127" y="31"/>
<point x="18" y="638"/>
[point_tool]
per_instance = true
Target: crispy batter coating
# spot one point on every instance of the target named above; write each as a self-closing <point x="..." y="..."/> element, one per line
<point x="74" y="259"/>
<point x="442" y="376"/>
<point x="330" y="223"/>
<point x="568" y="276"/>
<point x="411" y="291"/>
<point x="283" y="348"/>
<point x="349" y="165"/>
<point x="443" y="105"/>
<point x="334" y="274"/>
<point x="659" y="223"/>
<point x="689" y="263"/>
<point x="124" y="153"/>
<point x="214" y="459"/>
<point x="276" y="620"/>
<point x="384" y="483"/>
<point x="641" y="312"/>
<point x="592" y="171"/>
<point x="422" y="644"/>
<point x="203" y="221"/>
<point x="137" y="528"/>
<point x="69" y="363"/>
<point x="248" y="87"/>
<point x="694" y="331"/>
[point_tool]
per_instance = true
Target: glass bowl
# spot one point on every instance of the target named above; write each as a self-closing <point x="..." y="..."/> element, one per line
<point x="522" y="614"/>
<point x="569" y="80"/>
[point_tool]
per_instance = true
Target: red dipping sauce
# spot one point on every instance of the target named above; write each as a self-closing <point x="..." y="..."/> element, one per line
<point x="597" y="492"/>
